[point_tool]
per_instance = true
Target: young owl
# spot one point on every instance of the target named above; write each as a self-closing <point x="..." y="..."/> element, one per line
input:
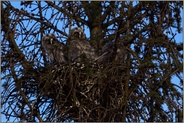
<point x="79" y="46"/>
<point x="53" y="48"/>
<point x="111" y="53"/>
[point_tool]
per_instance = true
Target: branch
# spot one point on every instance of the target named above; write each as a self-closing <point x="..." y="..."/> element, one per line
<point x="66" y="13"/>
<point x="48" y="24"/>
<point x="10" y="34"/>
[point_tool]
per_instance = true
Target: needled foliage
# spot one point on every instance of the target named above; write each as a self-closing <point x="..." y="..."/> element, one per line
<point x="132" y="83"/>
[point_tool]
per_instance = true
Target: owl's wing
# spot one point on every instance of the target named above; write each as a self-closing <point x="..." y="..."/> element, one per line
<point x="108" y="53"/>
<point x="59" y="52"/>
<point x="88" y="50"/>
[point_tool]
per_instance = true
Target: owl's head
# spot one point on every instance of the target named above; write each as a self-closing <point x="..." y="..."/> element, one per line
<point x="77" y="33"/>
<point x="49" y="39"/>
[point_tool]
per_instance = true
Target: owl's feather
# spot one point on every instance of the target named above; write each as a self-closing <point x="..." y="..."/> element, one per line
<point x="109" y="53"/>
<point x="79" y="46"/>
<point x="53" y="48"/>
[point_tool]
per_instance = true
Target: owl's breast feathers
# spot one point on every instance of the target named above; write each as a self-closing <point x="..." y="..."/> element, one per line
<point x="80" y="48"/>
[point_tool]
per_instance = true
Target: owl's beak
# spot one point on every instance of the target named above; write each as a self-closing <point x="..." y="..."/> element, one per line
<point x="80" y="34"/>
<point x="51" y="41"/>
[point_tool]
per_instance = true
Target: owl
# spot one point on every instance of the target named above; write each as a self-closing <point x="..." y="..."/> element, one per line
<point x="79" y="46"/>
<point x="53" y="48"/>
<point x="111" y="52"/>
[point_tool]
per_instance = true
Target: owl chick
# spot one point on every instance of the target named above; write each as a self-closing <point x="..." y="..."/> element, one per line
<point x="79" y="46"/>
<point x="53" y="48"/>
<point x="109" y="53"/>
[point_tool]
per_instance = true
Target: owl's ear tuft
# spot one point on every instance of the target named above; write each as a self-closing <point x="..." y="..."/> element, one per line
<point x="77" y="33"/>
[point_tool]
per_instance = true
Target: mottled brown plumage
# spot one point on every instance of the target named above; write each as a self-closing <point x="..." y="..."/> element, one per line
<point x="79" y="46"/>
<point x="53" y="48"/>
<point x="112" y="52"/>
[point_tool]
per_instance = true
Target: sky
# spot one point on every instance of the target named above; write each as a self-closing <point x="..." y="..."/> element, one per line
<point x="178" y="39"/>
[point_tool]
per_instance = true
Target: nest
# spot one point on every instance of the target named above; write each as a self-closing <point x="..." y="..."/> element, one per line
<point x="84" y="87"/>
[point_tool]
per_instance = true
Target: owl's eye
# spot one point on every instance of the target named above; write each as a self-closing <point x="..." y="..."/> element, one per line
<point x="76" y="34"/>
